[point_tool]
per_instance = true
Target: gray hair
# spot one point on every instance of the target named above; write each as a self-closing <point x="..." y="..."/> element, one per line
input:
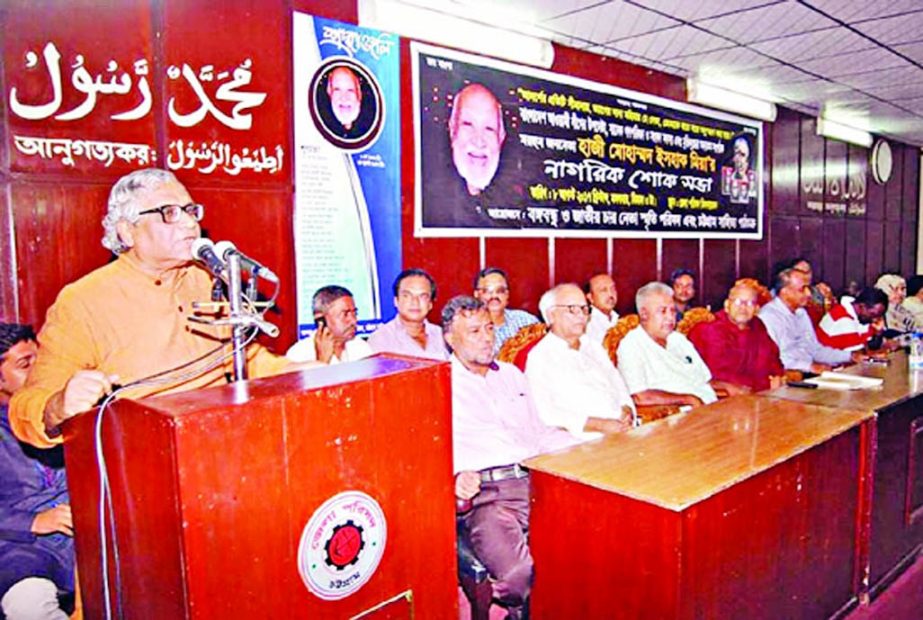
<point x="649" y="290"/>
<point x="550" y="298"/>
<point x="326" y="295"/>
<point x="457" y="305"/>
<point x="889" y="282"/>
<point x="124" y="204"/>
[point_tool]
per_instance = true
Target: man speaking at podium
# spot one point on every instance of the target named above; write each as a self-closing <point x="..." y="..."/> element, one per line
<point x="129" y="320"/>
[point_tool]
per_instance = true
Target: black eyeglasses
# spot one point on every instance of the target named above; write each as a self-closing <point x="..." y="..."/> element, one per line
<point x="171" y="214"/>
<point x="575" y="308"/>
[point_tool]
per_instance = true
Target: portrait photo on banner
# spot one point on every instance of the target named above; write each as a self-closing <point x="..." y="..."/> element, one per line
<point x="346" y="103"/>
<point x="468" y="138"/>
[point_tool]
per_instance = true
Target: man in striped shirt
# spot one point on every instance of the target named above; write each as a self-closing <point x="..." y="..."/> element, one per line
<point x="854" y="322"/>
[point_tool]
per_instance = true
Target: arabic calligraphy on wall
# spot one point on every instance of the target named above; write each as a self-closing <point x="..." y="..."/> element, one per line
<point x="62" y="112"/>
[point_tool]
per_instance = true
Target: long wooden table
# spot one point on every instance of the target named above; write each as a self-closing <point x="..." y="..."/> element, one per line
<point x="897" y="503"/>
<point x="751" y="507"/>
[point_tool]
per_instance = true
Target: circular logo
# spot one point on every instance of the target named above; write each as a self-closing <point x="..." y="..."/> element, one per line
<point x="342" y="545"/>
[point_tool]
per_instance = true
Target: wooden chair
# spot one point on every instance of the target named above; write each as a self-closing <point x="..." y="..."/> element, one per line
<point x="647" y="413"/>
<point x="618" y="331"/>
<point x="693" y="317"/>
<point x="516" y="349"/>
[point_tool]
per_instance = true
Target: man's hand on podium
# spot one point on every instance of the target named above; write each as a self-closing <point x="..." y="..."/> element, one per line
<point x="81" y="392"/>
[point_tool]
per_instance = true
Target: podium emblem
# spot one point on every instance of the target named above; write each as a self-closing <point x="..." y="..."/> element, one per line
<point x="342" y="545"/>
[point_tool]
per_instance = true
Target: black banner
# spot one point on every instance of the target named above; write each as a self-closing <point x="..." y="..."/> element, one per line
<point x="503" y="150"/>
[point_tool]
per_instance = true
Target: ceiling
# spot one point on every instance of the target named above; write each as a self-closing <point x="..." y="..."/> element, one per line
<point x="860" y="60"/>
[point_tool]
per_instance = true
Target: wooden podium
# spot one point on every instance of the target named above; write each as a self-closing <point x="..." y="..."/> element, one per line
<point x="213" y="489"/>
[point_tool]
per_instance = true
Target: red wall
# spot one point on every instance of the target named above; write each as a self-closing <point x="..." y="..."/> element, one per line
<point x="54" y="213"/>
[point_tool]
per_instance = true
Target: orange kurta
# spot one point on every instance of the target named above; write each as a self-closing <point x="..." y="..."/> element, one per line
<point x="123" y="321"/>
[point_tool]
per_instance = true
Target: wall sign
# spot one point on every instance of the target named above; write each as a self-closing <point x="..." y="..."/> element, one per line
<point x="504" y="150"/>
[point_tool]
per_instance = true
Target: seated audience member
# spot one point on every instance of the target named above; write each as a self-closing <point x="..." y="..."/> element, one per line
<point x="575" y="385"/>
<point x="683" y="283"/>
<point x="409" y="333"/>
<point x="914" y="301"/>
<point x="660" y="366"/>
<point x="898" y="318"/>
<point x="851" y="324"/>
<point x="601" y="293"/>
<point x="494" y="427"/>
<point x="736" y="347"/>
<point x="132" y="318"/>
<point x="335" y="339"/>
<point x="791" y="328"/>
<point x="36" y="529"/>
<point x="822" y="296"/>
<point x="492" y="287"/>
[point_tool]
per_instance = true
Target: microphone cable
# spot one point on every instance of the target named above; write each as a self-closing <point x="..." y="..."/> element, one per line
<point x="187" y="370"/>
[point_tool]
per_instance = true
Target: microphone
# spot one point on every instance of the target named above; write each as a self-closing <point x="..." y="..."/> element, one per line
<point x="204" y="251"/>
<point x="224" y="248"/>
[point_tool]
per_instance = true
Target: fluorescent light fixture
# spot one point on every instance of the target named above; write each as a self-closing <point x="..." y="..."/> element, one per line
<point x="723" y="99"/>
<point x="844" y="133"/>
<point x="426" y="24"/>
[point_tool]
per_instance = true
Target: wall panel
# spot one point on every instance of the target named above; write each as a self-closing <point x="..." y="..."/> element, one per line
<point x="720" y="271"/>
<point x="834" y="264"/>
<point x="874" y="250"/>
<point x="785" y="143"/>
<point x="58" y="235"/>
<point x="576" y="260"/>
<point x="634" y="265"/>
<point x="855" y="250"/>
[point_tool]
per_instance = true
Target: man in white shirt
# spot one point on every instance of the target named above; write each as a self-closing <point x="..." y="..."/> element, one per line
<point x="575" y="385"/>
<point x="601" y="293"/>
<point x="494" y="427"/>
<point x="660" y="366"/>
<point x="335" y="340"/>
<point x="791" y="328"/>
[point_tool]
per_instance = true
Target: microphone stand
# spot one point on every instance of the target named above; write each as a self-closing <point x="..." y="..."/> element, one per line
<point x="237" y="314"/>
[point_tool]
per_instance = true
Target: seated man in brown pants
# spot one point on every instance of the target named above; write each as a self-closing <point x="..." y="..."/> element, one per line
<point x="494" y="427"/>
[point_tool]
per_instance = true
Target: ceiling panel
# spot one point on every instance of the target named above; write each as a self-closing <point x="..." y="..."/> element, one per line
<point x="737" y="58"/>
<point x="870" y="59"/>
<point x="857" y="10"/>
<point x="815" y="44"/>
<point x="877" y="80"/>
<point x="768" y="22"/>
<point x="913" y="51"/>
<point x="608" y="22"/>
<point x="670" y="43"/>
<point x="894" y="30"/>
<point x="799" y="53"/>
<point x="702" y="9"/>
<point x="543" y="10"/>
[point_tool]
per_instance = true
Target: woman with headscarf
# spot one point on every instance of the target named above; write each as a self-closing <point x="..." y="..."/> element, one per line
<point x="898" y="317"/>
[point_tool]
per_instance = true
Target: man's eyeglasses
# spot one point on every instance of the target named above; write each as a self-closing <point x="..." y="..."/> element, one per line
<point x="171" y="214"/>
<point x="500" y="290"/>
<point x="575" y="308"/>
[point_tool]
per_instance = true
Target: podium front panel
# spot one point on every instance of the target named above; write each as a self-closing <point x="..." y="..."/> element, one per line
<point x="213" y="489"/>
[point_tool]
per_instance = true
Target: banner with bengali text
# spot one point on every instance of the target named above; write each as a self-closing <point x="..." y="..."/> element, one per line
<point x="347" y="166"/>
<point x="506" y="150"/>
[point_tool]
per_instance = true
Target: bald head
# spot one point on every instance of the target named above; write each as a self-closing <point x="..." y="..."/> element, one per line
<point x="602" y="293"/>
<point x="345" y="94"/>
<point x="476" y="134"/>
